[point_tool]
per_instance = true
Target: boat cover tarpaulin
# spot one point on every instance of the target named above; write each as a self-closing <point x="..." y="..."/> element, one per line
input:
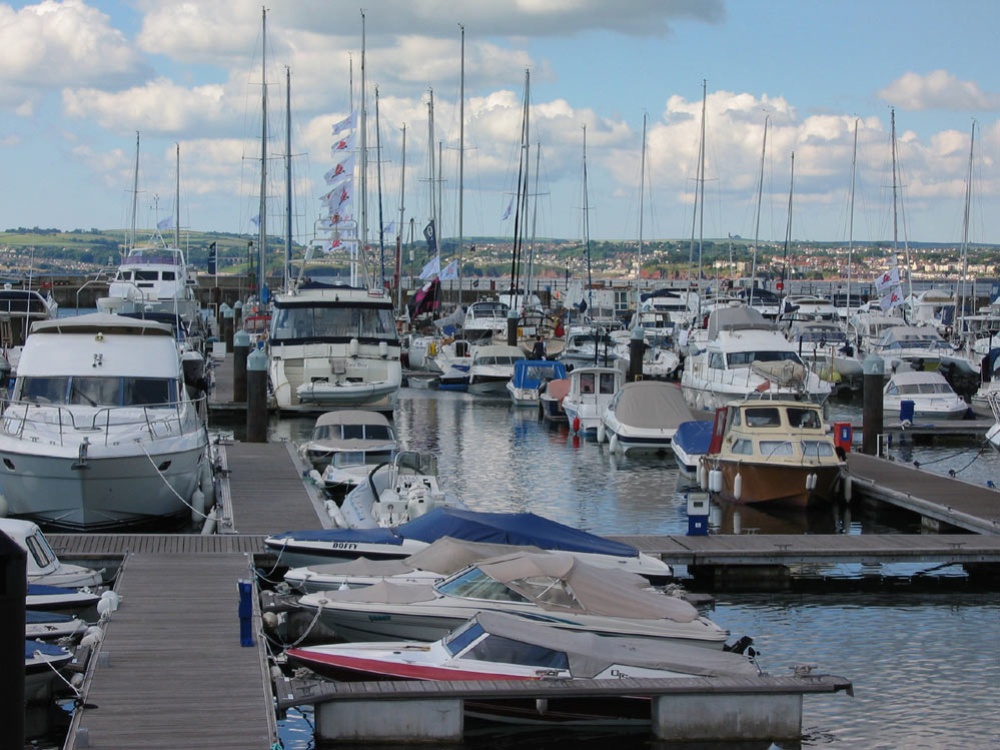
<point x="509" y="528"/>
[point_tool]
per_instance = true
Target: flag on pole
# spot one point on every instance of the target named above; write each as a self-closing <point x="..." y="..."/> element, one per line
<point x="431" y="237"/>
<point x="891" y="300"/>
<point x="166" y="223"/>
<point x="212" y="260"/>
<point x="450" y="271"/>
<point x="346" y="124"/>
<point x="340" y="170"/>
<point x="340" y="145"/>
<point x="889" y="279"/>
<point x="433" y="268"/>
<point x="389" y="228"/>
<point x="255" y="220"/>
<point x="510" y="206"/>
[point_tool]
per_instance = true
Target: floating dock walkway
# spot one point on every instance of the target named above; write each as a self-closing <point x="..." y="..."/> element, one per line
<point x="171" y="672"/>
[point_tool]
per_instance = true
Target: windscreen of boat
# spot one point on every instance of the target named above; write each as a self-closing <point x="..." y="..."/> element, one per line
<point x="499" y="650"/>
<point x="745" y="359"/>
<point x="96" y="391"/>
<point x="475" y="584"/>
<point x="345" y="459"/>
<point x="333" y="323"/>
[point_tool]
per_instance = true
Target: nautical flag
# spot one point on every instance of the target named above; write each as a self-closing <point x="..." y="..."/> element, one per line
<point x="344" y="169"/>
<point x="431" y="237"/>
<point x="425" y="300"/>
<point x="433" y="268"/>
<point x="212" y="260"/>
<point x="346" y="124"/>
<point x="506" y="213"/>
<point x="255" y="220"/>
<point x="389" y="228"/>
<point x="891" y="300"/>
<point x="889" y="279"/>
<point x="341" y="145"/>
<point x="166" y="223"/>
<point x="450" y="271"/>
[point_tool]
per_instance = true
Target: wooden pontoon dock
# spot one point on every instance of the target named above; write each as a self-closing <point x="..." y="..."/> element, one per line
<point x="171" y="671"/>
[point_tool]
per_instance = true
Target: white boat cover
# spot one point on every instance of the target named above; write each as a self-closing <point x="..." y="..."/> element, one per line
<point x="652" y="404"/>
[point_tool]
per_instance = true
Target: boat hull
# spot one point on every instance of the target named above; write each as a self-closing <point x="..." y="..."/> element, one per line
<point x="777" y="483"/>
<point x="56" y="490"/>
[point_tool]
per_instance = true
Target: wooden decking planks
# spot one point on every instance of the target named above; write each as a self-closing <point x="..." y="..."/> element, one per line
<point x="952" y="501"/>
<point x="175" y="672"/>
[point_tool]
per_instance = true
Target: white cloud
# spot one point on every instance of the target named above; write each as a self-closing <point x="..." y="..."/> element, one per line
<point x="55" y="44"/>
<point x="938" y="90"/>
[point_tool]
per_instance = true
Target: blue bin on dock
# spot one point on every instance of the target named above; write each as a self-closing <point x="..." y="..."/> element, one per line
<point x="697" y="508"/>
<point x="246" y="612"/>
<point x="906" y="411"/>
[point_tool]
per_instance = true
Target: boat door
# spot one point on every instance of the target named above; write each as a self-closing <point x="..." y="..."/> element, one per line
<point x="718" y="430"/>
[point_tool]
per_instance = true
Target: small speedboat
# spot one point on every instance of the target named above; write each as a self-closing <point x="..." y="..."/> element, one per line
<point x="60" y="599"/>
<point x="928" y="393"/>
<point x="554" y="588"/>
<point x="42" y="662"/>
<point x="529" y="376"/>
<point x="307" y="547"/>
<point x="43" y="565"/>
<point x="52" y="625"/>
<point x="497" y="646"/>
<point x="690" y="443"/>
<point x="354" y="432"/>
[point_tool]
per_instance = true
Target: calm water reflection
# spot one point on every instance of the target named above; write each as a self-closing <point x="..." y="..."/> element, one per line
<point x="926" y="666"/>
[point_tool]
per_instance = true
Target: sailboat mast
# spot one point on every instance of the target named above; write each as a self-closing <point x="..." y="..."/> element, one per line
<point x="378" y="179"/>
<point x="895" y="223"/>
<point x="402" y="218"/>
<point x="756" y="231"/>
<point x="965" y="228"/>
<point x="701" y="186"/>
<point x="850" y="236"/>
<point x="788" y="229"/>
<point x="135" y="195"/>
<point x="363" y="234"/>
<point x="262" y="216"/>
<point x="522" y="193"/>
<point x="177" y="200"/>
<point x="432" y="177"/>
<point x="586" y="225"/>
<point x="461" y="167"/>
<point x="287" y="265"/>
<point x="642" y="196"/>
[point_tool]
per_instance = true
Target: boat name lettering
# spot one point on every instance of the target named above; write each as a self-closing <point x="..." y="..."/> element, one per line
<point x="344" y="545"/>
<point x="619" y="674"/>
<point x="379" y="618"/>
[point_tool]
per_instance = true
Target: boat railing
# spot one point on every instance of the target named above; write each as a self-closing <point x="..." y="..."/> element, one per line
<point x="29" y="420"/>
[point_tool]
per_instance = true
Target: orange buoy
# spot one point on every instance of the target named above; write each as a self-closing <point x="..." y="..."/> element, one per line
<point x="576" y="424"/>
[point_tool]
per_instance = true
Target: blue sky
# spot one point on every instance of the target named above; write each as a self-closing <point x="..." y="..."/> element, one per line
<point x="81" y="78"/>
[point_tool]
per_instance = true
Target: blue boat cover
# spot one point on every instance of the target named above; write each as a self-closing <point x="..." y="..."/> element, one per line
<point x="509" y="528"/>
<point x="529" y="373"/>
<point x="35" y="617"/>
<point x="694" y="437"/>
<point x="48" y="649"/>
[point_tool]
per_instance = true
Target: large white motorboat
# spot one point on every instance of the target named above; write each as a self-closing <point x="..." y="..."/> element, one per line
<point x="823" y="345"/>
<point x="743" y="356"/>
<point x="100" y="432"/>
<point x="485" y="319"/>
<point x="553" y="588"/>
<point x="152" y="278"/>
<point x="334" y="346"/>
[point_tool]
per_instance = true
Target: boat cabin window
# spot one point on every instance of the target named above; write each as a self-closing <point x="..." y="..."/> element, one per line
<point x="775" y="448"/>
<point x="499" y="650"/>
<point x="315" y="322"/>
<point x="716" y="361"/>
<point x="607" y="382"/>
<point x="743" y="447"/>
<point x="763" y="417"/>
<point x="96" y="391"/>
<point x="817" y="448"/>
<point x="804" y="418"/>
<point x="40" y="550"/>
<point x="475" y="584"/>
<point x="587" y="382"/>
<point x="745" y="359"/>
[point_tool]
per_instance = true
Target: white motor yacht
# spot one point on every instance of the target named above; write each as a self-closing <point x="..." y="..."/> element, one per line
<point x="101" y="432"/>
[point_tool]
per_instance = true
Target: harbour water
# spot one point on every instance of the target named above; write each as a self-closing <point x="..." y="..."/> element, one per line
<point x="919" y="642"/>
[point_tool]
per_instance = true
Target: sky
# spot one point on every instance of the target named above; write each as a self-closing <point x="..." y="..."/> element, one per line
<point x="789" y="87"/>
